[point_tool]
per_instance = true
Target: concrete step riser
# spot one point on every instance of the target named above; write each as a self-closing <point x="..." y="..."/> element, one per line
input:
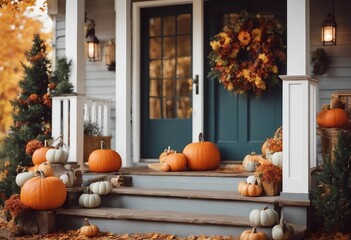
<point x="204" y="206"/>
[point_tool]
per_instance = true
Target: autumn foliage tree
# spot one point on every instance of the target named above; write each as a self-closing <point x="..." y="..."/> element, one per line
<point x="16" y="32"/>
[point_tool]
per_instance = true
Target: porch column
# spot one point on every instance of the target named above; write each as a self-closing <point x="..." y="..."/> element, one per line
<point x="300" y="100"/>
<point x="74" y="42"/>
<point x="123" y="80"/>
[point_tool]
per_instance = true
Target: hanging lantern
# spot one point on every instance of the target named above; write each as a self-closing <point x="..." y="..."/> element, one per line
<point x="329" y="29"/>
<point x="110" y="55"/>
<point x="93" y="43"/>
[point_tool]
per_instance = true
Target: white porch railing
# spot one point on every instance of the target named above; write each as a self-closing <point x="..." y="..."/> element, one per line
<point x="68" y="116"/>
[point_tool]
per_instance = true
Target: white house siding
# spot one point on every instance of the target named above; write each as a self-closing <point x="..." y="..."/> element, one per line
<point x="59" y="34"/>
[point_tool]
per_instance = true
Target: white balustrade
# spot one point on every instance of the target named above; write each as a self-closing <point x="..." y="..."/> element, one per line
<point x="69" y="113"/>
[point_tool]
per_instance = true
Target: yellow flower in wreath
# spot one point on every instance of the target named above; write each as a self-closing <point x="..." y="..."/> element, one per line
<point x="256" y="35"/>
<point x="244" y="38"/>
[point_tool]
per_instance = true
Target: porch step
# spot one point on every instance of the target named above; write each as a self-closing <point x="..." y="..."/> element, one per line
<point x="120" y="220"/>
<point x="191" y="201"/>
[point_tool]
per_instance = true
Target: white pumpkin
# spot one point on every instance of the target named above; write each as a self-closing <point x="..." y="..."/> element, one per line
<point x="56" y="155"/>
<point x="264" y="217"/>
<point x="282" y="231"/>
<point x="89" y="200"/>
<point x="277" y="159"/>
<point x="253" y="180"/>
<point x="68" y="178"/>
<point x="101" y="188"/>
<point x="23" y="177"/>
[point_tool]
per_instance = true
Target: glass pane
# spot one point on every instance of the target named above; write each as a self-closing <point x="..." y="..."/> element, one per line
<point x="184" y="107"/>
<point x="184" y="87"/>
<point x="183" y="46"/>
<point x="169" y="25"/>
<point x="155" y="108"/>
<point x="155" y="48"/>
<point x="155" y="88"/>
<point x="168" y="88"/>
<point x="168" y="108"/>
<point x="168" y="47"/>
<point x="184" y="67"/>
<point x="155" y="27"/>
<point x="155" y="69"/>
<point x="169" y="68"/>
<point x="184" y="24"/>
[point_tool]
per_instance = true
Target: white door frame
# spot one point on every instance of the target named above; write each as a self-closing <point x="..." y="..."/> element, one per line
<point x="198" y="99"/>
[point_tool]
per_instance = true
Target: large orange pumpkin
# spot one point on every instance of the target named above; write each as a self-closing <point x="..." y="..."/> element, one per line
<point x="332" y="118"/>
<point x="202" y="155"/>
<point x="104" y="160"/>
<point x="39" y="155"/>
<point x="43" y="193"/>
<point x="176" y="161"/>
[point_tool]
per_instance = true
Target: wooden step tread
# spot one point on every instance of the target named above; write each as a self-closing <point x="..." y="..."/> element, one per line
<point x="193" y="194"/>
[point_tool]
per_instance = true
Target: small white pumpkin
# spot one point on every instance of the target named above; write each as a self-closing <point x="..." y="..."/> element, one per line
<point x="264" y="217"/>
<point x="56" y="155"/>
<point x="101" y="188"/>
<point x="253" y="180"/>
<point x="282" y="231"/>
<point x="277" y="159"/>
<point x="23" y="177"/>
<point x="68" y="178"/>
<point x="88" y="200"/>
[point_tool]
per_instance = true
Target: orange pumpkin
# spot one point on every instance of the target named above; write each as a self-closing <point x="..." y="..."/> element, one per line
<point x="251" y="158"/>
<point x="249" y="190"/>
<point x="176" y="162"/>
<point x="202" y="155"/>
<point x="332" y="118"/>
<point x="165" y="153"/>
<point x="104" y="160"/>
<point x="264" y="148"/>
<point x="253" y="235"/>
<point x="39" y="155"/>
<point x="43" y="193"/>
<point x="46" y="168"/>
<point x="89" y="230"/>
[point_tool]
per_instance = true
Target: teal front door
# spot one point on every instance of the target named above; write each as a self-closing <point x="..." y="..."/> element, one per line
<point x="239" y="124"/>
<point x="166" y="71"/>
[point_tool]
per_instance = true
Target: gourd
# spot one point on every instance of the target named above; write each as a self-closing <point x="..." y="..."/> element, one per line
<point x="43" y="193"/>
<point x="282" y="231"/>
<point x="165" y="167"/>
<point x="56" y="155"/>
<point x="23" y="177"/>
<point x="264" y="148"/>
<point x="68" y="179"/>
<point x="264" y="217"/>
<point x="253" y="180"/>
<point x="101" y="188"/>
<point x="277" y="159"/>
<point x="89" y="230"/>
<point x="89" y="200"/>
<point x="332" y="118"/>
<point x="202" y="155"/>
<point x="253" y="235"/>
<point x="104" y="160"/>
<point x="165" y="153"/>
<point x="251" y="161"/>
<point x="176" y="161"/>
<point x="249" y="190"/>
<point x="47" y="169"/>
<point x="39" y="155"/>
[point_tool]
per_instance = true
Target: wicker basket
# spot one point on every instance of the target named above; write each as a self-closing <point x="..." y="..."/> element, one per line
<point x="272" y="189"/>
<point x="92" y="143"/>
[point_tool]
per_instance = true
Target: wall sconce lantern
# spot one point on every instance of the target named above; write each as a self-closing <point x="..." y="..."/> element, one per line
<point x="110" y="55"/>
<point x="329" y="29"/>
<point x="93" y="43"/>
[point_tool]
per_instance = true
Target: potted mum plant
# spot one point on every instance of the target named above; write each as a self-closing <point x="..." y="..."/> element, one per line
<point x="271" y="178"/>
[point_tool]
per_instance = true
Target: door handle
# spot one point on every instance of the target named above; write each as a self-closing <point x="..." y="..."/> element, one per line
<point x="196" y="82"/>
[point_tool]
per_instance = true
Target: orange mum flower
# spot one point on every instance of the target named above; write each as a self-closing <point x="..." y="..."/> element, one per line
<point x="244" y="38"/>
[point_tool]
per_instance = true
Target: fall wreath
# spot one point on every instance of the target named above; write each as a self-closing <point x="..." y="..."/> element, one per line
<point x="246" y="57"/>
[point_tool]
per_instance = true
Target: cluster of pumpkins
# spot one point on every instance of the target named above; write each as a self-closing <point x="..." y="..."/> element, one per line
<point x="196" y="156"/>
<point x="92" y="199"/>
<point x="266" y="217"/>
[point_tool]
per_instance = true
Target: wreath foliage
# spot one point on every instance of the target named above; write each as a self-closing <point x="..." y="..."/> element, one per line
<point x="246" y="57"/>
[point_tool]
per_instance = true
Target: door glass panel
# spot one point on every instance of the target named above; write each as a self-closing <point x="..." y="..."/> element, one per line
<point x="169" y="25"/>
<point x="184" y="24"/>
<point x="155" y="50"/>
<point x="184" y="87"/>
<point x="168" y="108"/>
<point x="184" y="107"/>
<point x="168" y="47"/>
<point x="155" y="69"/>
<point x="155" y="88"/>
<point x="184" y="67"/>
<point x="155" y="108"/>
<point x="169" y="88"/>
<point x="183" y="46"/>
<point x="155" y="27"/>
